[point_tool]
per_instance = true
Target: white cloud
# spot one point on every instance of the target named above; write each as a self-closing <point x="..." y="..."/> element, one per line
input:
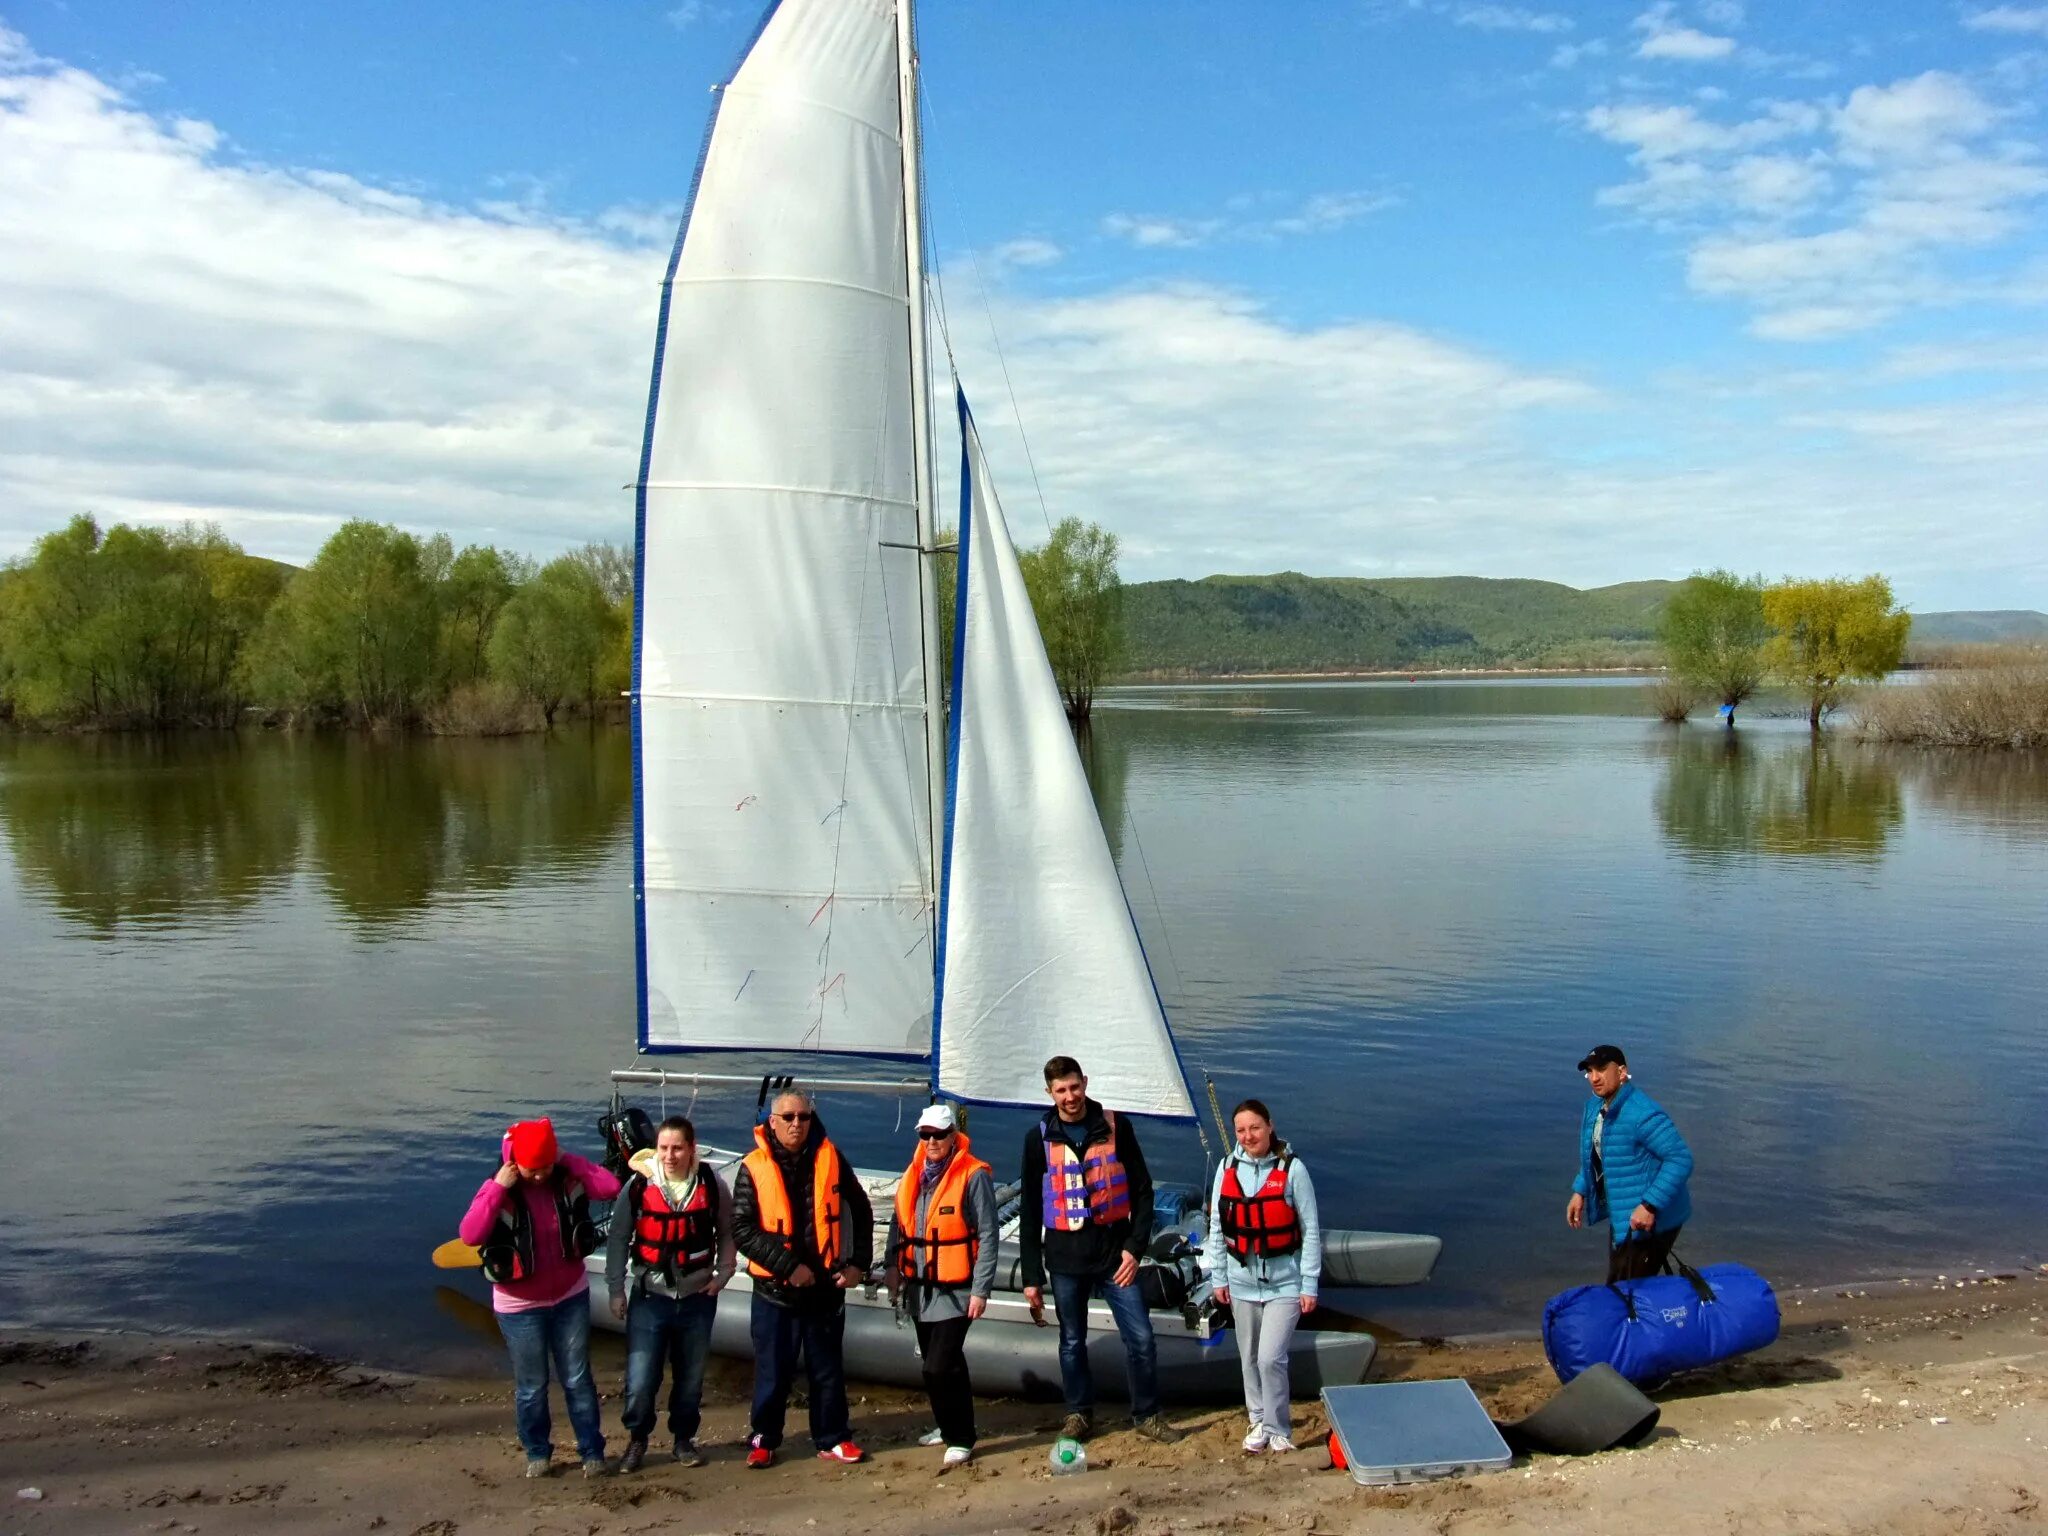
<point x="1154" y="233"/>
<point x="1832" y="217"/>
<point x="1664" y="37"/>
<point x="1571" y="55"/>
<point x="2010" y="18"/>
<point x="1318" y="214"/>
<point x="1509" y="18"/>
<point x="1027" y="251"/>
<point x="279" y="350"/>
<point x="1914" y="119"/>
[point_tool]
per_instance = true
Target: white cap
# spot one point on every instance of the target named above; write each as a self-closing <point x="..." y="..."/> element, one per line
<point x="936" y="1117"/>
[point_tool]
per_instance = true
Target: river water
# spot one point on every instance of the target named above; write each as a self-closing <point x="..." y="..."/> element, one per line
<point x="268" y="1000"/>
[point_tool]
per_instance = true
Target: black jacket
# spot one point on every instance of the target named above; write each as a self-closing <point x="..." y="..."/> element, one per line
<point x="1092" y="1250"/>
<point x="765" y="1248"/>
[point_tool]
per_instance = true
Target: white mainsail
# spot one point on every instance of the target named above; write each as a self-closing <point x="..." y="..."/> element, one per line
<point x="783" y="825"/>
<point x="1039" y="956"/>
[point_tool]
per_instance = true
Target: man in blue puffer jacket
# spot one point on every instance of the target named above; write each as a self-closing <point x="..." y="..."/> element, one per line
<point x="1632" y="1159"/>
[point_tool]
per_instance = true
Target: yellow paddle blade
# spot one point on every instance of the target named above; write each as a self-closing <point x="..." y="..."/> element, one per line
<point x="457" y="1254"/>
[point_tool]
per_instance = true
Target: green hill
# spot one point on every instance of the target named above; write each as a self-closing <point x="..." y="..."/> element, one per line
<point x="1996" y="626"/>
<point x="1295" y="623"/>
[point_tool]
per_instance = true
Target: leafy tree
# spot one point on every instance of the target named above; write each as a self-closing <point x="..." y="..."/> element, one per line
<point x="356" y="629"/>
<point x="612" y="565"/>
<point x="1826" y="633"/>
<point x="478" y="584"/>
<point x="134" y="624"/>
<point x="1713" y="632"/>
<point x="554" y="635"/>
<point x="1078" y="598"/>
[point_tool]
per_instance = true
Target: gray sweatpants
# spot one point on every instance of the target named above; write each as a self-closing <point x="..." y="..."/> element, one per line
<point x="1265" y="1329"/>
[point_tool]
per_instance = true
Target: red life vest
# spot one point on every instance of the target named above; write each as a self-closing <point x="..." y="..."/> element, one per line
<point x="674" y="1242"/>
<point x="1262" y="1224"/>
<point x="1085" y="1188"/>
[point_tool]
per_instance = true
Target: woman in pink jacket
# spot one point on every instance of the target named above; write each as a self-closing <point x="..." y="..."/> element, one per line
<point x="531" y="1220"/>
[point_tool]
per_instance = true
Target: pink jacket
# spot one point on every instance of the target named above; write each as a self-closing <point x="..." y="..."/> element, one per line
<point x="555" y="1278"/>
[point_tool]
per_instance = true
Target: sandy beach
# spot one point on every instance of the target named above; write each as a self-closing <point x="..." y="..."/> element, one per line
<point x="1921" y="1410"/>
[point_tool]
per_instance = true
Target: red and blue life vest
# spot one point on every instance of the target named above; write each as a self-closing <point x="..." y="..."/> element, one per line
<point x="1084" y="1188"/>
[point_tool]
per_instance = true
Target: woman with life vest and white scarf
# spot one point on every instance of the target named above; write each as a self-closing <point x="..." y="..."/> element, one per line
<point x="941" y="1259"/>
<point x="1265" y="1258"/>
<point x="531" y="1223"/>
<point x="669" y="1254"/>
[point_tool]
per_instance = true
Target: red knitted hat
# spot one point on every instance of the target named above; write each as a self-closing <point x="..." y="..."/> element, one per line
<point x="533" y="1144"/>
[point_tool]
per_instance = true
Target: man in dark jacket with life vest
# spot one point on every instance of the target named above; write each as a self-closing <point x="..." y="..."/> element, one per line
<point x="805" y="1227"/>
<point x="1087" y="1218"/>
<point x="942" y="1266"/>
<point x="669" y="1255"/>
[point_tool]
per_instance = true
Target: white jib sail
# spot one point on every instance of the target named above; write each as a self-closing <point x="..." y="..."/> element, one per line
<point x="1040" y="956"/>
<point x="784" y="855"/>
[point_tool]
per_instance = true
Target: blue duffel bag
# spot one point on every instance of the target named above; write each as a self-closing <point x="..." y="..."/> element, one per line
<point x="1648" y="1329"/>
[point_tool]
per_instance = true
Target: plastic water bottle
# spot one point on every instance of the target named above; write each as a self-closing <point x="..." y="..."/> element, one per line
<point x="1067" y="1457"/>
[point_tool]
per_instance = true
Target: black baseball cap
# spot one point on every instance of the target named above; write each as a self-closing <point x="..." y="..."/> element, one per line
<point x="1603" y="1056"/>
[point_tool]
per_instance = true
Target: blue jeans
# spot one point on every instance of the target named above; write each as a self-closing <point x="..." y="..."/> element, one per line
<point x="661" y="1328"/>
<point x="1070" y="1294"/>
<point x="563" y="1333"/>
<point x="820" y="1333"/>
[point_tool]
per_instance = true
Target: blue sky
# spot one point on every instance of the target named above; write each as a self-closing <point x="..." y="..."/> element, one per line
<point x="1590" y="292"/>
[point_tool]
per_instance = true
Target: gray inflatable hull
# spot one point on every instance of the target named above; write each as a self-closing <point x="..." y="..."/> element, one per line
<point x="1009" y="1356"/>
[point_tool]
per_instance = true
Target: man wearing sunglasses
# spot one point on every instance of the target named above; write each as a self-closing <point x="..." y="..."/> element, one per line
<point x="942" y="1257"/>
<point x="804" y="1225"/>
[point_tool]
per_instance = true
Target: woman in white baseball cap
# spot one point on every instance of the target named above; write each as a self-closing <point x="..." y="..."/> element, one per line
<point x="942" y="1258"/>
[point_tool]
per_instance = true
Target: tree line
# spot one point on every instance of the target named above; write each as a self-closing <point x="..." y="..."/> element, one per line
<point x="1724" y="636"/>
<point x="163" y="627"/>
<point x="153" y="627"/>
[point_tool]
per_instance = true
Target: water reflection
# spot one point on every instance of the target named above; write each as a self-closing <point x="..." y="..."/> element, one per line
<point x="397" y="824"/>
<point x="1723" y="796"/>
<point x="121" y="832"/>
<point x="2004" y="791"/>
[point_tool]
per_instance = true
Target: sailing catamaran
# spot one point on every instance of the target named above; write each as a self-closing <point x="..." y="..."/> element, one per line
<point x="826" y="859"/>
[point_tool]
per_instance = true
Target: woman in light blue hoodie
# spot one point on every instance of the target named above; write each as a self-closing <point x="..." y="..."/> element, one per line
<point x="1265" y="1258"/>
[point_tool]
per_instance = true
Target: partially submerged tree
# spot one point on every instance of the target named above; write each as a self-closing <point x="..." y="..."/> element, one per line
<point x="1828" y="633"/>
<point x="357" y="629"/>
<point x="555" y="635"/>
<point x="1078" y="598"/>
<point x="133" y="625"/>
<point x="1713" y="633"/>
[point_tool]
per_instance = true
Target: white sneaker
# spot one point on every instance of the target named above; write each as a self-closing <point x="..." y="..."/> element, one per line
<point x="932" y="1437"/>
<point x="1278" y="1443"/>
<point x="959" y="1455"/>
<point x="1255" y="1442"/>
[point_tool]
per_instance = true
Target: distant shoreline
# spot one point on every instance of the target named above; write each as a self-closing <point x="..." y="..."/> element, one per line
<point x="1415" y="674"/>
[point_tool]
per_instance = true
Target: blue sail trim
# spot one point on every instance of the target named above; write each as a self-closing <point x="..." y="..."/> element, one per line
<point x="668" y="280"/>
<point x="756" y="1050"/>
<point x="960" y="574"/>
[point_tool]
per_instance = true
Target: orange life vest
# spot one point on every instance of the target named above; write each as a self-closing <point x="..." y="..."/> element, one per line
<point x="1262" y="1224"/>
<point x="675" y="1242"/>
<point x="1083" y="1187"/>
<point x="772" y="1208"/>
<point x="943" y="1253"/>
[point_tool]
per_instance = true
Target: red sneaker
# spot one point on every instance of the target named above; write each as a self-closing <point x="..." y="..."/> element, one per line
<point x="758" y="1455"/>
<point x="845" y="1451"/>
